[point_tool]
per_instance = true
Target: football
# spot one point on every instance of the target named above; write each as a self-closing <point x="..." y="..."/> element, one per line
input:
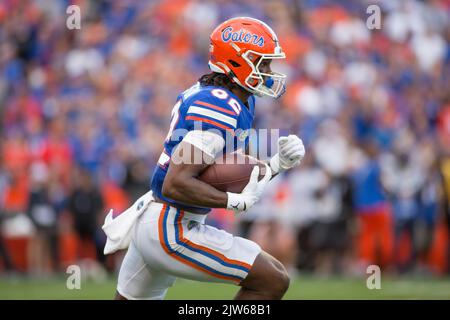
<point x="231" y="172"/>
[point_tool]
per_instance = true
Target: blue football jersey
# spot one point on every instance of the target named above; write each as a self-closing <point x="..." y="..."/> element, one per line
<point x="204" y="108"/>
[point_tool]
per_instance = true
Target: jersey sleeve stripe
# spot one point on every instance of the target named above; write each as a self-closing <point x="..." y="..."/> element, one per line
<point x="213" y="114"/>
<point x="164" y="159"/>
<point x="214" y="123"/>
<point x="209" y="105"/>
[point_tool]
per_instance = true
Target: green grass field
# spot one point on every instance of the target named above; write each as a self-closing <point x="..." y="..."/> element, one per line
<point x="303" y="287"/>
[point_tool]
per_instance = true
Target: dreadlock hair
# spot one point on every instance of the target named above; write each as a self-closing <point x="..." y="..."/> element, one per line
<point x="218" y="80"/>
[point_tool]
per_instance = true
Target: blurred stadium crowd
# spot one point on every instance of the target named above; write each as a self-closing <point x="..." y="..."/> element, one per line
<point x="84" y="113"/>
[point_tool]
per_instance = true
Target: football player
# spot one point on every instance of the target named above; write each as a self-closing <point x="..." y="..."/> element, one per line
<point x="171" y="238"/>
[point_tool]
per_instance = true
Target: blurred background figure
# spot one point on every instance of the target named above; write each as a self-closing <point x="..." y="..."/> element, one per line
<point x="136" y="179"/>
<point x="85" y="203"/>
<point x="403" y="176"/>
<point x="333" y="151"/>
<point x="373" y="210"/>
<point x="268" y="225"/>
<point x="318" y="216"/>
<point x="444" y="171"/>
<point x="431" y="204"/>
<point x="6" y="260"/>
<point x="372" y="107"/>
<point x="43" y="210"/>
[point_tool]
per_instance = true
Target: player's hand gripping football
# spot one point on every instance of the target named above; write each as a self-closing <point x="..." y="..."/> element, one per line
<point x="251" y="193"/>
<point x="291" y="152"/>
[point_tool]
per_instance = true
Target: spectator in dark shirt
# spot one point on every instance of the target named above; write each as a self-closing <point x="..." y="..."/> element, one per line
<point x="86" y="204"/>
<point x="43" y="212"/>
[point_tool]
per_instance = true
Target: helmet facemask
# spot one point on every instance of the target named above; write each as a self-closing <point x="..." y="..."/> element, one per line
<point x="271" y="84"/>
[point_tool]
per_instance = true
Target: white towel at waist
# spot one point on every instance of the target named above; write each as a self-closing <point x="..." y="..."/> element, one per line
<point x="118" y="228"/>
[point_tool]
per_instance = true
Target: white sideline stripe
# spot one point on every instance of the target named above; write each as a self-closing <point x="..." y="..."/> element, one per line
<point x="213" y="114"/>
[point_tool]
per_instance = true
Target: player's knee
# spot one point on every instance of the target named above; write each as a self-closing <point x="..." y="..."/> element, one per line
<point x="279" y="281"/>
<point x="269" y="277"/>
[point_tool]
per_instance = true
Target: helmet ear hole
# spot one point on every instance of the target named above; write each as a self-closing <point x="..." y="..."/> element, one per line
<point x="234" y="63"/>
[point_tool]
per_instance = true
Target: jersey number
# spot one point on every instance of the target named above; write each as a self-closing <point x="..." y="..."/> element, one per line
<point x="175" y="115"/>
<point x="222" y="94"/>
<point x="164" y="159"/>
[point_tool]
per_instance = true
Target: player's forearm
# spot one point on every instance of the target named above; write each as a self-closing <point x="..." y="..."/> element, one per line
<point x="195" y="192"/>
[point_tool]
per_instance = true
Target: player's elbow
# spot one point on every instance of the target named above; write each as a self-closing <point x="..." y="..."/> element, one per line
<point x="171" y="188"/>
<point x="167" y="189"/>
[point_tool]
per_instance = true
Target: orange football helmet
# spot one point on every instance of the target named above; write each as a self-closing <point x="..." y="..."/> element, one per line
<point x="238" y="46"/>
